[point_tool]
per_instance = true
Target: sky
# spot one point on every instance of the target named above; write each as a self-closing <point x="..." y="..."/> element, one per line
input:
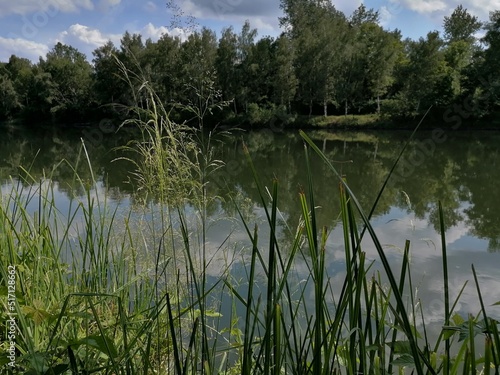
<point x="30" y="28"/>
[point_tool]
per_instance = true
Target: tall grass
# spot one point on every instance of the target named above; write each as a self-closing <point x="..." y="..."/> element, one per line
<point x="84" y="285"/>
<point x="102" y="290"/>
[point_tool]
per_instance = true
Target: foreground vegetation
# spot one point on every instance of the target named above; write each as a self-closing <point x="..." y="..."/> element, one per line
<point x="99" y="290"/>
<point x="324" y="63"/>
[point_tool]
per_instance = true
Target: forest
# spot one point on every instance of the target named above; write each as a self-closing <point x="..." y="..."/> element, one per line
<point x="323" y="63"/>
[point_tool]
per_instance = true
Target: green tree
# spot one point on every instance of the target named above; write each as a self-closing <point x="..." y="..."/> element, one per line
<point x="131" y="60"/>
<point x="318" y="32"/>
<point x="459" y="30"/>
<point x="9" y="100"/>
<point x="259" y="73"/>
<point x="108" y="86"/>
<point x="226" y="62"/>
<point x="162" y="67"/>
<point x="244" y="59"/>
<point x="419" y="75"/>
<point x="41" y="95"/>
<point x="71" y="75"/>
<point x="488" y="82"/>
<point x="20" y="71"/>
<point x="359" y="70"/>
<point x="283" y="80"/>
<point x="198" y="72"/>
<point x="131" y="51"/>
<point x="460" y="26"/>
<point x="233" y="63"/>
<point x="379" y="51"/>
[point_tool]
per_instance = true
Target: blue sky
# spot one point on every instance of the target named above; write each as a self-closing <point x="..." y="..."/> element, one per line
<point x="30" y="28"/>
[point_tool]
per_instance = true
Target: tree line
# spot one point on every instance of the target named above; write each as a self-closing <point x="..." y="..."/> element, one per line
<point x="323" y="63"/>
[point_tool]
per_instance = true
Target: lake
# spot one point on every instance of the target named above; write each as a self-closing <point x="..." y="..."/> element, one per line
<point x="459" y="169"/>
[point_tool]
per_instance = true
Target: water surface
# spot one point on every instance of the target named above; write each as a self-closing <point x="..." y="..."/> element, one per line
<point x="460" y="170"/>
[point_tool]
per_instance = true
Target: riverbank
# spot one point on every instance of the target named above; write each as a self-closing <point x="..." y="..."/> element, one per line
<point x="280" y="121"/>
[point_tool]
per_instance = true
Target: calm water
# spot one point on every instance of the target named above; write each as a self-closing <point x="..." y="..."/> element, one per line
<point x="462" y="170"/>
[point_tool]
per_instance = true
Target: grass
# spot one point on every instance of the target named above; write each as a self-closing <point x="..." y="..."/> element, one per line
<point x="106" y="291"/>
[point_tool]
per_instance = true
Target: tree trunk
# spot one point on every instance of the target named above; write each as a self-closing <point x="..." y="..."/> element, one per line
<point x="325" y="108"/>
<point x="346" y="107"/>
<point x="378" y="104"/>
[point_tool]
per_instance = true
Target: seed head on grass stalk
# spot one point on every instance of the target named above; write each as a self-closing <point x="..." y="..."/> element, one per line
<point x="172" y="163"/>
<point x="163" y="167"/>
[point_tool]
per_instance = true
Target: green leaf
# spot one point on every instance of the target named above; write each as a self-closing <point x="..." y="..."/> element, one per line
<point x="37" y="361"/>
<point x="400" y="347"/>
<point x="457" y="319"/>
<point x="449" y="331"/>
<point x="4" y="360"/>
<point x="102" y="343"/>
<point x="404" y="361"/>
<point x="38" y="315"/>
<point x="212" y="314"/>
<point x="464" y="330"/>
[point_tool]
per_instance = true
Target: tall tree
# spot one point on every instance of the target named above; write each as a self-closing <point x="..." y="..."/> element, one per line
<point x="374" y="54"/>
<point x="131" y="51"/>
<point x="246" y="41"/>
<point x="21" y="73"/>
<point x="71" y="75"/>
<point x="197" y="67"/>
<point x="283" y="80"/>
<point x="9" y="100"/>
<point x="361" y="67"/>
<point x="382" y="51"/>
<point x="459" y="35"/>
<point x="225" y="63"/>
<point x="488" y="82"/>
<point x="420" y="73"/>
<point x="109" y="85"/>
<point x="317" y="30"/>
<point x="162" y="63"/>
<point x="460" y="25"/>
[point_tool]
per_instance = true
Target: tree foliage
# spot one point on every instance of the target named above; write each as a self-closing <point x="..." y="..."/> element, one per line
<point x="460" y="26"/>
<point x="324" y="62"/>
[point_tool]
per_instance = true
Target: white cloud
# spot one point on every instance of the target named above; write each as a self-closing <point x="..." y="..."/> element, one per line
<point x="385" y="15"/>
<point x="426" y="6"/>
<point x="150" y="31"/>
<point x="479" y="8"/>
<point x="21" y="48"/>
<point x="85" y="34"/>
<point x="260" y="24"/>
<point x="155" y="33"/>
<point x="43" y="7"/>
<point x="237" y="11"/>
<point x="86" y="39"/>
<point x="110" y="3"/>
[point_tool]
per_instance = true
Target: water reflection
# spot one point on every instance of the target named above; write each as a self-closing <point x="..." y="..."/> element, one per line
<point x="462" y="173"/>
